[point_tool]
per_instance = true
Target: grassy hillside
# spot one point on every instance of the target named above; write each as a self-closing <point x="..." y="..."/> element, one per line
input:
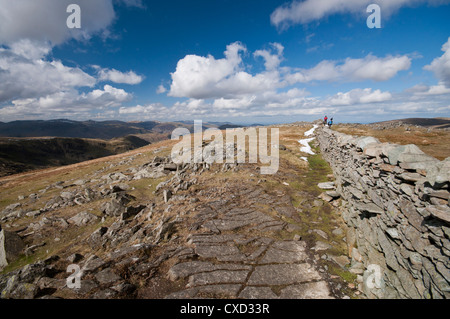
<point x="90" y="129"/>
<point x="19" y="154"/>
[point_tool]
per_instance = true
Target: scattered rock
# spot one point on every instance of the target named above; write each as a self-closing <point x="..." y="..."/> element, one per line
<point x="92" y="264"/>
<point x="167" y="195"/>
<point x="321" y="233"/>
<point x="82" y="219"/>
<point x="326" y="185"/>
<point x="11" y="246"/>
<point x="95" y="240"/>
<point x="107" y="276"/>
<point x="338" y="232"/>
<point x="326" y="197"/>
<point x="321" y="246"/>
<point x="132" y="211"/>
<point x="340" y="260"/>
<point x="124" y="288"/>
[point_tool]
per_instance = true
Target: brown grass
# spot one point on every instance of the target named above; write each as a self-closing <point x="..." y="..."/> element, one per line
<point x="434" y="143"/>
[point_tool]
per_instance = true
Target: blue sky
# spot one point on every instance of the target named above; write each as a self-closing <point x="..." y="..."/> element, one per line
<point x="224" y="60"/>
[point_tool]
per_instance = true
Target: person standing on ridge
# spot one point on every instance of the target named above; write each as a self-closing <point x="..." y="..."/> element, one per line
<point x="325" y="120"/>
<point x="330" y="124"/>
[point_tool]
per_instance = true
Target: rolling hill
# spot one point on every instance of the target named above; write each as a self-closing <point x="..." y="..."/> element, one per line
<point x="19" y="155"/>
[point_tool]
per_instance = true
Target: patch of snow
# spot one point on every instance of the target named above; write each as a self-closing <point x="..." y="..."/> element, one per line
<point x="306" y="148"/>
<point x="311" y="131"/>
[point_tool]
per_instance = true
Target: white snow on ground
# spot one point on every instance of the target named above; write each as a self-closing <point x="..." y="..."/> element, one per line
<point x="311" y="131"/>
<point x="306" y="148"/>
<point x="305" y="142"/>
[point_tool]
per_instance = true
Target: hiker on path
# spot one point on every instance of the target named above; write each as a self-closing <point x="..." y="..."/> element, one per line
<point x="330" y="124"/>
<point x="325" y="120"/>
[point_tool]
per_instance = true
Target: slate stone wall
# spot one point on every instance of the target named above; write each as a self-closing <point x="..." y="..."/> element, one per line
<point x="397" y="208"/>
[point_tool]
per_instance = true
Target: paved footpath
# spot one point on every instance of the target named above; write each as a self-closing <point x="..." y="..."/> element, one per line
<point x="237" y="254"/>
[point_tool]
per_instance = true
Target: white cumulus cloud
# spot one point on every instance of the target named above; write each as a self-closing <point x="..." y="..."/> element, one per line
<point x="24" y="73"/>
<point x="353" y="70"/>
<point x="207" y="77"/>
<point x="359" y="96"/>
<point x="69" y="103"/>
<point x="303" y="12"/>
<point x="45" y="20"/>
<point x="441" y="66"/>
<point x="115" y="76"/>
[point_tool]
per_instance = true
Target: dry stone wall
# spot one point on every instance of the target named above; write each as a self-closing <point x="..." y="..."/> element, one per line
<point x="397" y="208"/>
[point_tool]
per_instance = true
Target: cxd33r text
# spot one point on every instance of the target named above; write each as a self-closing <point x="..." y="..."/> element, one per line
<point x="246" y="308"/>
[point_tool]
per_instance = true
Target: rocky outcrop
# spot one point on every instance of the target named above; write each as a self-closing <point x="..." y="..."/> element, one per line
<point x="3" y="261"/>
<point x="396" y="205"/>
<point x="11" y="246"/>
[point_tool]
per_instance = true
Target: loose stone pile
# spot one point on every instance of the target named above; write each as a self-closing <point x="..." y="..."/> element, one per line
<point x="396" y="203"/>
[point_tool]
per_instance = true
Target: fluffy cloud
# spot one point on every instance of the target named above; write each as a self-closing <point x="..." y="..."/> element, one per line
<point x="24" y="73"/>
<point x="292" y="102"/>
<point x="359" y="96"/>
<point x="32" y="83"/>
<point x="161" y="89"/>
<point x="272" y="60"/>
<point x="441" y="66"/>
<point x="45" y="20"/>
<point x="368" y="68"/>
<point x="198" y="77"/>
<point x="207" y="77"/>
<point x="68" y="103"/>
<point x="303" y="12"/>
<point x="119" y="77"/>
<point x="109" y="96"/>
<point x="424" y="90"/>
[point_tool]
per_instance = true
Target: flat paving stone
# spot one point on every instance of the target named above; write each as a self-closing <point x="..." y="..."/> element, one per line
<point x="215" y="291"/>
<point x="252" y="216"/>
<point x="233" y="258"/>
<point x="183" y="294"/>
<point x="274" y="255"/>
<point x="210" y="251"/>
<point x="292" y="245"/>
<point x="247" y="273"/>
<point x="187" y="269"/>
<point x="221" y="291"/>
<point x="244" y="257"/>
<point x="257" y="293"/>
<point x="283" y="274"/>
<point x="218" y="277"/>
<point x="215" y="239"/>
<point x="225" y="225"/>
<point x="238" y="221"/>
<point x="272" y="225"/>
<point x="320" y="245"/>
<point x="312" y="290"/>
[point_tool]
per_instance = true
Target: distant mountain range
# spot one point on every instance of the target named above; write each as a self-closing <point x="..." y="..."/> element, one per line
<point x="92" y="129"/>
<point x="86" y="129"/>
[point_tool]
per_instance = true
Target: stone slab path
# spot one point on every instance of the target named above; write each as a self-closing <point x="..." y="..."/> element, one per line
<point x="236" y="255"/>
